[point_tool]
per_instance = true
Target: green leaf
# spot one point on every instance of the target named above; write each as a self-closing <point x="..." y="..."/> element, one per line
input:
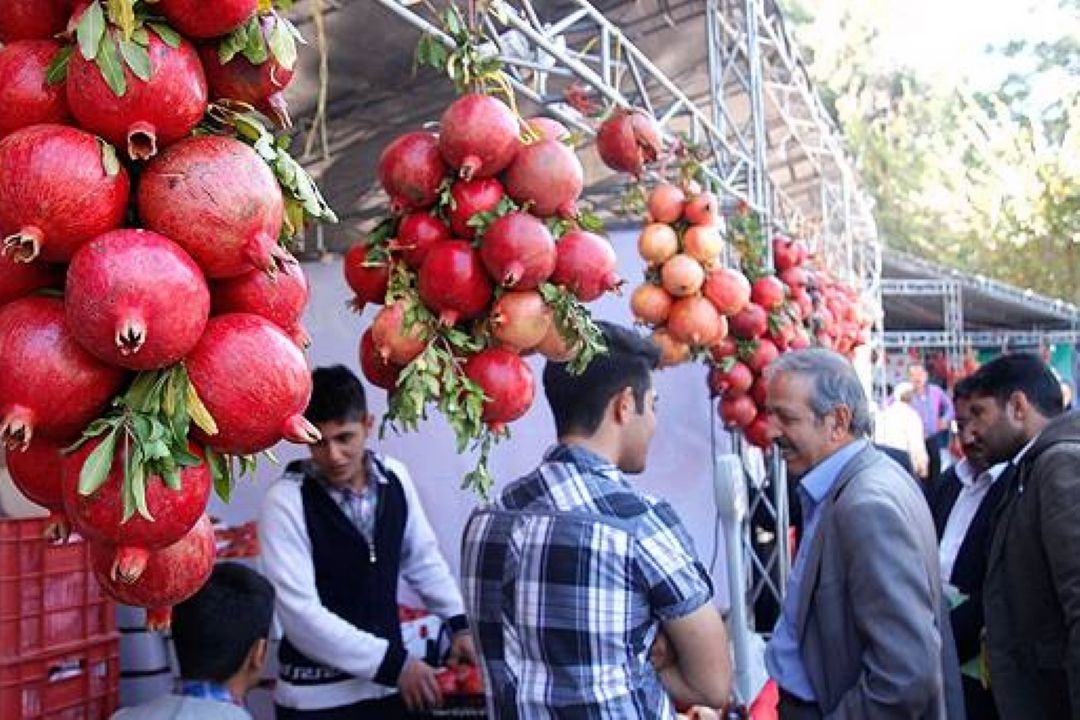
<point x="171" y="477"/>
<point x="168" y="36"/>
<point x="90" y="31"/>
<point x="108" y="61"/>
<point x="283" y="45"/>
<point x="57" y="70"/>
<point x="199" y="414"/>
<point x="95" y="470"/>
<point x="233" y="43"/>
<point x="109" y="161"/>
<point x="137" y="58"/>
<point x="255" y="49"/>
<point x="137" y="481"/>
<point x="221" y="472"/>
<point x="122" y="14"/>
<point x="141" y="36"/>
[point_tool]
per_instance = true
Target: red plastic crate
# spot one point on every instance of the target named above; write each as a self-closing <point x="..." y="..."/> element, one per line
<point x="75" y="684"/>
<point x="49" y="599"/>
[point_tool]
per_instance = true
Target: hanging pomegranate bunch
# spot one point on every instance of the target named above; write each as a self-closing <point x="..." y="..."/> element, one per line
<point x="484" y="259"/>
<point x="150" y="337"/>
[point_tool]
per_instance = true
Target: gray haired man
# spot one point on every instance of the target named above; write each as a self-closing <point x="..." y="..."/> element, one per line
<point x="863" y="632"/>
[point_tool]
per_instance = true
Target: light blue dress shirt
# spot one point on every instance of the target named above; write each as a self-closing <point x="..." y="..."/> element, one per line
<point x="782" y="656"/>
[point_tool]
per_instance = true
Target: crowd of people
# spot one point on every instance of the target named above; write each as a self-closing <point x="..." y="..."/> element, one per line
<point x="937" y="595"/>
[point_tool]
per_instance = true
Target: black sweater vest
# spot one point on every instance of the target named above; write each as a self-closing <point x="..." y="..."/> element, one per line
<point x="354" y="581"/>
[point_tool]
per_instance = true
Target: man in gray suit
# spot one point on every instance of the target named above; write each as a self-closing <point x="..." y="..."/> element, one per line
<point x="864" y="631"/>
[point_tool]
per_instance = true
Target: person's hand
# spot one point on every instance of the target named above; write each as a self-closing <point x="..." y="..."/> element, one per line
<point x="462" y="649"/>
<point x="419" y="686"/>
<point x="661" y="655"/>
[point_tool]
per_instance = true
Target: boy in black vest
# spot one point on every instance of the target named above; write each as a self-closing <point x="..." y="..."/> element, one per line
<point x="336" y="532"/>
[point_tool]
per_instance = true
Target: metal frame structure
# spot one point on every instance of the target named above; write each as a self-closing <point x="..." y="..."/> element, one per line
<point x="758" y="118"/>
<point x="952" y="337"/>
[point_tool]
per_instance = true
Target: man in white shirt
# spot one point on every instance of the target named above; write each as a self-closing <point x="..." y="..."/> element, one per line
<point x="963" y="503"/>
<point x="337" y="532"/>
<point x="899" y="426"/>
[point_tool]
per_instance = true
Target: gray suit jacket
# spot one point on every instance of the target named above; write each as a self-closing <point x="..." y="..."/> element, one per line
<point x="873" y="623"/>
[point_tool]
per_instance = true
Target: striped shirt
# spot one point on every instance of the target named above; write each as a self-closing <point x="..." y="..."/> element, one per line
<point x="566" y="578"/>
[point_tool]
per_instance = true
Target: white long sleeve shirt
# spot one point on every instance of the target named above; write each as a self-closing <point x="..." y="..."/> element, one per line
<point x="973" y="488"/>
<point x="316" y="631"/>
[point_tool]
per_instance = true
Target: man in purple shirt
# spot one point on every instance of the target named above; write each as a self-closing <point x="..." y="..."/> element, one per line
<point x="936" y="410"/>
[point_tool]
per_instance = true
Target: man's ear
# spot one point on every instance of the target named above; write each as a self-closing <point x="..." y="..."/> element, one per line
<point x="1019" y="405"/>
<point x="843" y="415"/>
<point x="622" y="405"/>
<point x="257" y="655"/>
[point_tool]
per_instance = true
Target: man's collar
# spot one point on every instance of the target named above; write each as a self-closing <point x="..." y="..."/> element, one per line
<point x="965" y="473"/>
<point x="820" y="479"/>
<point x="1023" y="451"/>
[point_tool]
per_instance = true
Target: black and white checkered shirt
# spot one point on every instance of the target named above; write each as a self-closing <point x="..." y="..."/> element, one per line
<point x="566" y="578"/>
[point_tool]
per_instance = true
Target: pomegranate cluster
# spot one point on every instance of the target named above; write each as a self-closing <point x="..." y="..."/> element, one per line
<point x="484" y="258"/>
<point x="150" y="337"/>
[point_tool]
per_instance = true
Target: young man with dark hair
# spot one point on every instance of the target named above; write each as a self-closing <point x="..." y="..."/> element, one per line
<point x="963" y="503"/>
<point x="586" y="596"/>
<point x="1031" y="594"/>
<point x="337" y="532"/>
<point x="220" y="635"/>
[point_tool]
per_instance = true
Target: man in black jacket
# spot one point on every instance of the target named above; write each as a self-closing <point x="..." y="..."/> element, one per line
<point x="1032" y="590"/>
<point x="963" y="502"/>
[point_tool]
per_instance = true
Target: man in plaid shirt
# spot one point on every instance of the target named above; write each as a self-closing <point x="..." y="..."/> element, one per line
<point x="585" y="595"/>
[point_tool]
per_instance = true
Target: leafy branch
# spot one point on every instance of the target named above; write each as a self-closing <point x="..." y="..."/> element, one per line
<point x="264" y="36"/>
<point x="575" y="325"/>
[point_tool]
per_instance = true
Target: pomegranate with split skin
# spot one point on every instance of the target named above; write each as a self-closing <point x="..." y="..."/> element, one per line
<point x="518" y="251"/>
<point x="507" y="382"/>
<point x="367" y="281"/>
<point x="25" y="95"/>
<point x="99" y="515"/>
<point x="585" y="265"/>
<point x="56" y="193"/>
<point x="411" y="171"/>
<point x="629" y="140"/>
<point x="152" y="114"/>
<point x="49" y="385"/>
<point x="254" y="382"/>
<point x="135" y="299"/>
<point x="548" y="177"/>
<point x="171" y="575"/>
<point x="281" y="299"/>
<point x="478" y="136"/>
<point x="216" y="198"/>
<point x="262" y="86"/>
<point x="453" y="283"/>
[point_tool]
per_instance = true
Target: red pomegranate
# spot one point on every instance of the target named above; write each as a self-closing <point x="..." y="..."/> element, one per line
<point x="99" y="516"/>
<point x="518" y="251"/>
<point x="368" y="282"/>
<point x="25" y="95"/>
<point x="737" y="410"/>
<point x="507" y="383"/>
<point x="520" y="320"/>
<point x="151" y="114"/>
<point x="396" y="342"/>
<point x="20" y="279"/>
<point x="469" y="198"/>
<point x="666" y="203"/>
<point x="453" y="282"/>
<point x="733" y="379"/>
<point x="378" y="372"/>
<point x="548" y="129"/>
<point x="726" y="347"/>
<point x="411" y="170"/>
<point x="254" y="382"/>
<point x="416" y="233"/>
<point x="728" y="290"/>
<point x="702" y="209"/>
<point x="32" y="19"/>
<point x="629" y="140"/>
<point x="172" y="574"/>
<point x="795" y="278"/>
<point x="48" y="383"/>
<point x="262" y="86"/>
<point x="202" y="20"/>
<point x="750" y="323"/>
<point x="548" y="176"/>
<point x="554" y="346"/>
<point x="478" y="136"/>
<point x="217" y="199"/>
<point x="122" y="297"/>
<point x="56" y="192"/>
<point x="758" y="433"/>
<point x="585" y="265"/>
<point x="759" y="391"/>
<point x="281" y="299"/>
<point x="651" y="304"/>
<point x="768" y="292"/>
<point x="693" y="320"/>
<point x="761" y="356"/>
<point x="786" y="253"/>
<point x="37" y="470"/>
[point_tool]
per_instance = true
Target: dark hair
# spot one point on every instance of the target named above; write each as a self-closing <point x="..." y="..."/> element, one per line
<point x="964" y="389"/>
<point x="1019" y="372"/>
<point x="337" y="395"/>
<point x="578" y="402"/>
<point x="214" y="629"/>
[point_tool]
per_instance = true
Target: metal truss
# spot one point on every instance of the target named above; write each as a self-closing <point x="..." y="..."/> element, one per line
<point x="951" y="294"/>
<point x="902" y="340"/>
